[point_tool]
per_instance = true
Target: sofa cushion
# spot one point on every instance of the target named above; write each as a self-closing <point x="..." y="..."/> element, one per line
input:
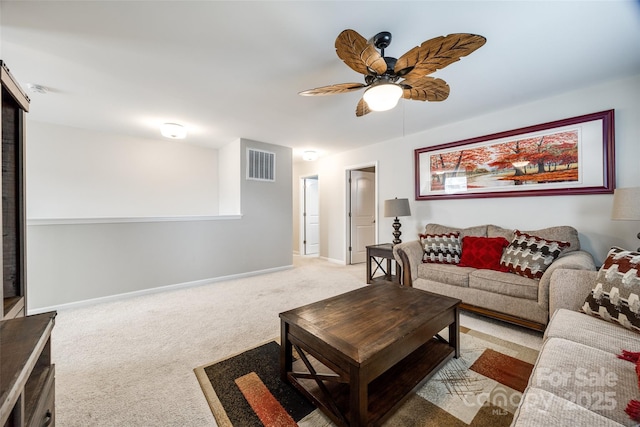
<point x="530" y="256"/>
<point x="495" y="231"/>
<point x="483" y="252"/>
<point x="591" y="378"/>
<point x="479" y="230"/>
<point x="592" y="331"/>
<point x="563" y="233"/>
<point x="441" y="248"/>
<point x="615" y="297"/>
<point x="504" y="283"/>
<point x="445" y="273"/>
<point x="541" y="408"/>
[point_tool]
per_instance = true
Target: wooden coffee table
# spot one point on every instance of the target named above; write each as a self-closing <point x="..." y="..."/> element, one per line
<point x="363" y="352"/>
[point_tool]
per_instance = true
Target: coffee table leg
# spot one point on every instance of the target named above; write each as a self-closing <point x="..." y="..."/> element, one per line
<point x="454" y="333"/>
<point x="286" y="352"/>
<point x="358" y="393"/>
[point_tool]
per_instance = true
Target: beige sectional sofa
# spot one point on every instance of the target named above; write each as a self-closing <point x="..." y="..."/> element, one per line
<point x="578" y="380"/>
<point x="503" y="295"/>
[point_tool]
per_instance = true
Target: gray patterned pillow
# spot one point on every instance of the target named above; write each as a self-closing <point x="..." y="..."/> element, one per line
<point x="441" y="248"/>
<point x="530" y="256"/>
<point x="615" y="297"/>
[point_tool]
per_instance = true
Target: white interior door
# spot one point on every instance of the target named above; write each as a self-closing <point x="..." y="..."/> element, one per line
<point x="311" y="217"/>
<point x="363" y="216"/>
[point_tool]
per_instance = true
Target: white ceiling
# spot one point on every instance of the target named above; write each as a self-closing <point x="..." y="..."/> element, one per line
<point x="234" y="69"/>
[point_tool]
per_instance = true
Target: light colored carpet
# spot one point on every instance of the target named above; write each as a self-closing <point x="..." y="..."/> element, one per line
<point x="130" y="362"/>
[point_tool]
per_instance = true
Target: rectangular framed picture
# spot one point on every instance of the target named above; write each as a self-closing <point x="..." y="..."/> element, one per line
<point x="569" y="156"/>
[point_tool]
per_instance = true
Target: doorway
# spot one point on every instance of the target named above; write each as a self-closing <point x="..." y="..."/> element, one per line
<point x="361" y="212"/>
<point x="310" y="216"/>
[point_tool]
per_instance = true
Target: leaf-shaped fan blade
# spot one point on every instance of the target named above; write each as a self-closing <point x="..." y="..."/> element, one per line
<point x="426" y="89"/>
<point x="436" y="54"/>
<point x="361" y="56"/>
<point x="362" y="108"/>
<point x="333" y="89"/>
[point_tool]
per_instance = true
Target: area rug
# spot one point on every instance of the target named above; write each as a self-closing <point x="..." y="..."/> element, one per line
<point x="481" y="388"/>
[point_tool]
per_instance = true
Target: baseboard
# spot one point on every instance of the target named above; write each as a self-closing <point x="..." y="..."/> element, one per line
<point x="333" y="260"/>
<point x="126" y="295"/>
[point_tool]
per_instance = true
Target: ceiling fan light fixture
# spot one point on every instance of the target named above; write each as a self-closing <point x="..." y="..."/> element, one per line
<point x="382" y="96"/>
<point x="173" y="131"/>
<point x="387" y="78"/>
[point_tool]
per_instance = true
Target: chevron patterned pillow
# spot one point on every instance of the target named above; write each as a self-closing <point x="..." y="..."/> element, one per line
<point x="615" y="297"/>
<point x="441" y="248"/>
<point x="530" y="256"/>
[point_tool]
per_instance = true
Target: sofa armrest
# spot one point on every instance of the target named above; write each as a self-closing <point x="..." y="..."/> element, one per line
<point x="412" y="253"/>
<point x="576" y="260"/>
<point x="569" y="288"/>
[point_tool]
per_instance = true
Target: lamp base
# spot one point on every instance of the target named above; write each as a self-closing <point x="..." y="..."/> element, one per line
<point x="396" y="231"/>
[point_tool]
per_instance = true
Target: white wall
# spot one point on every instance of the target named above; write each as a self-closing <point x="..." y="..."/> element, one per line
<point x="75" y="173"/>
<point x="78" y="260"/>
<point x="1" y="32"/>
<point x="229" y="178"/>
<point x="589" y="214"/>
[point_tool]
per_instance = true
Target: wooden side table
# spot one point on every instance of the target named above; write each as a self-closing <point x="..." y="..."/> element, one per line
<point x="376" y="256"/>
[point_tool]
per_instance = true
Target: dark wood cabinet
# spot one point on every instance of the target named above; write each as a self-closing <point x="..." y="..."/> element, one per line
<point x="27" y="377"/>
<point x="15" y="104"/>
<point x="27" y="383"/>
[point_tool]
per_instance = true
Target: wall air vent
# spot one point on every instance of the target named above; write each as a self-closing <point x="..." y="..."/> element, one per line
<point x="261" y="165"/>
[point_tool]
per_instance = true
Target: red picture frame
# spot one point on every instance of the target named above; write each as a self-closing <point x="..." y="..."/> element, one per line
<point x="569" y="156"/>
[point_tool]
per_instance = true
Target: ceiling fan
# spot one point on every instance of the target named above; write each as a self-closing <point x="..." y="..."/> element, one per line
<point x="382" y="73"/>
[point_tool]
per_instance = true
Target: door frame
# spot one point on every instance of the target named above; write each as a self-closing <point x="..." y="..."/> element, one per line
<point x="303" y="207"/>
<point x="347" y="200"/>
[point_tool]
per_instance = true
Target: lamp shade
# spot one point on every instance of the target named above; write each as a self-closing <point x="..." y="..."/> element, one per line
<point x="397" y="207"/>
<point x="383" y="96"/>
<point x="626" y="204"/>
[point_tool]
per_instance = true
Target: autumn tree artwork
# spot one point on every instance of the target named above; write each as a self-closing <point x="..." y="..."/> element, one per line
<point x="549" y="158"/>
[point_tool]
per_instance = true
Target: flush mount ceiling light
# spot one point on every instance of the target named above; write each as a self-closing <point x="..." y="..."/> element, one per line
<point x="173" y="131"/>
<point x="310" y="156"/>
<point x="36" y="88"/>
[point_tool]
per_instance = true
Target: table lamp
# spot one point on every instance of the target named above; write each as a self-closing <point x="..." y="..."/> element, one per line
<point x="626" y="205"/>
<point x="396" y="208"/>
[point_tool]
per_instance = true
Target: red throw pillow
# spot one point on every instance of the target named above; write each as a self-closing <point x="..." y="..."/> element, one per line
<point x="483" y="252"/>
<point x="633" y="407"/>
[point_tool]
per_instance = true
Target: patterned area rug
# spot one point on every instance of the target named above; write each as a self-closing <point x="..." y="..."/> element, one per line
<point x="481" y="388"/>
